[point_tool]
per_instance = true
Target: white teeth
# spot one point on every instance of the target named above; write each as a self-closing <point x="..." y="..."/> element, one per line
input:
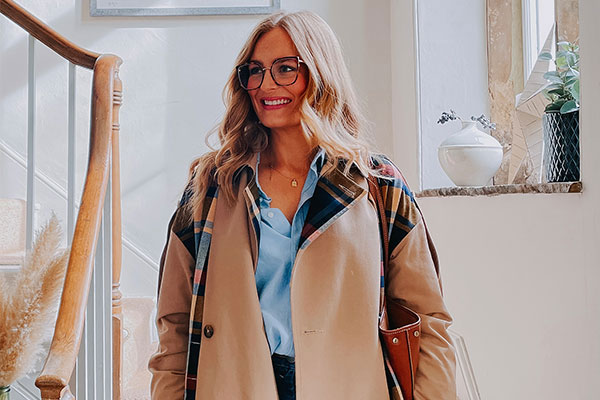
<point x="276" y="102"/>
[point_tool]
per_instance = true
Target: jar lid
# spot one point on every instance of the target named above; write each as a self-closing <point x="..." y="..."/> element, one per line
<point x="470" y="136"/>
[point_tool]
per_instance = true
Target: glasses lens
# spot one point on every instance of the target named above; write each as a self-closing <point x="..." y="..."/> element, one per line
<point x="285" y="71"/>
<point x="250" y="75"/>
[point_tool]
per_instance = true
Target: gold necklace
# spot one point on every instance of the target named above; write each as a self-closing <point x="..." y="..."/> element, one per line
<point x="293" y="181"/>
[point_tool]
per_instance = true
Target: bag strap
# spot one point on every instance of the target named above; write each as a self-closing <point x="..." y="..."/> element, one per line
<point x="375" y="192"/>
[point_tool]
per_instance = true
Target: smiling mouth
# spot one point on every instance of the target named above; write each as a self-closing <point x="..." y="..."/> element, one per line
<point x="275" y="102"/>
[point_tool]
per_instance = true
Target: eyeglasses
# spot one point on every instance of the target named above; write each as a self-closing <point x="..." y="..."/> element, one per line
<point x="284" y="72"/>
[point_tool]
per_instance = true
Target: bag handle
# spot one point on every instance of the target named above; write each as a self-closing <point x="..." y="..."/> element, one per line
<point x="375" y="192"/>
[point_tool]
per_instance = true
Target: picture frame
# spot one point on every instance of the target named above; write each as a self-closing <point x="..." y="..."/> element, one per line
<point x="145" y="8"/>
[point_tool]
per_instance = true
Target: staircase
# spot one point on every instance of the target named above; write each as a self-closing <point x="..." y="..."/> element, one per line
<point x="86" y="353"/>
<point x="139" y="336"/>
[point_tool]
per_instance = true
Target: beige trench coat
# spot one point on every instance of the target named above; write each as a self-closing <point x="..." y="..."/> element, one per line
<point x="334" y="303"/>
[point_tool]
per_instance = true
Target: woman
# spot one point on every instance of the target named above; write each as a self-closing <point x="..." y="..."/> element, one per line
<point x="270" y="279"/>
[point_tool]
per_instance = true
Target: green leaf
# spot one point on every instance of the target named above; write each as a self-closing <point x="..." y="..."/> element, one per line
<point x="571" y="81"/>
<point x="560" y="92"/>
<point x="553" y="86"/>
<point x="574" y="90"/>
<point x="571" y="73"/>
<point x="561" y="62"/>
<point x="568" y="107"/>
<point x="553" y="76"/>
<point x="564" y="45"/>
<point x="549" y="96"/>
<point x="545" y="56"/>
<point x="555" y="105"/>
<point x="571" y="59"/>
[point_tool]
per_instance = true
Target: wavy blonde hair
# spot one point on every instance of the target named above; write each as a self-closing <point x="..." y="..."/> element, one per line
<point x="330" y="114"/>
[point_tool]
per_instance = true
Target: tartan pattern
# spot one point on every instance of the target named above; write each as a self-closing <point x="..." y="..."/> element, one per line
<point x="252" y="196"/>
<point x="203" y="227"/>
<point x="333" y="196"/>
<point x="402" y="214"/>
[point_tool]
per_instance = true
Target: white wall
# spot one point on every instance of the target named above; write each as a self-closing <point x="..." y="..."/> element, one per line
<point x="173" y="73"/>
<point x="522" y="272"/>
<point x="452" y="58"/>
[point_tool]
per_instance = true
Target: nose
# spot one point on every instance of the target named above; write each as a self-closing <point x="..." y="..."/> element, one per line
<point x="268" y="82"/>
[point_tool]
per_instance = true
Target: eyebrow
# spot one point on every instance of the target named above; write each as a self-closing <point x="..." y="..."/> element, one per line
<point x="278" y="58"/>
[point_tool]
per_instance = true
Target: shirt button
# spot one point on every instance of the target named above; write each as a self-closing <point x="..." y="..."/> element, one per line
<point x="270" y="214"/>
<point x="208" y="331"/>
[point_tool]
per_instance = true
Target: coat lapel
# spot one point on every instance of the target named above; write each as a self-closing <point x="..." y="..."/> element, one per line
<point x="203" y="228"/>
<point x="333" y="196"/>
<point x="251" y="196"/>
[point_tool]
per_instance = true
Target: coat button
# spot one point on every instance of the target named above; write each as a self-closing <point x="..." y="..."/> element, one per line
<point x="208" y="331"/>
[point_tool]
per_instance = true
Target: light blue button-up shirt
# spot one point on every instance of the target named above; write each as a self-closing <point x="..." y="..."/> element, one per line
<point x="277" y="251"/>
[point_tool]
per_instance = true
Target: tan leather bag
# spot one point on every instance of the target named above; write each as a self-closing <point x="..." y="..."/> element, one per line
<point x="399" y="326"/>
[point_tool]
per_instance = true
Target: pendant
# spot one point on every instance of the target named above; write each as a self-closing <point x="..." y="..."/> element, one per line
<point x="294" y="183"/>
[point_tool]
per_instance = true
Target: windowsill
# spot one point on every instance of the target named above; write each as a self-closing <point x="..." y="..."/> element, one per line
<point x="545" y="188"/>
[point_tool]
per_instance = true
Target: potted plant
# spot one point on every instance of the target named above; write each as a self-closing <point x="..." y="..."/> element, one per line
<point x="561" y="117"/>
<point x="470" y="157"/>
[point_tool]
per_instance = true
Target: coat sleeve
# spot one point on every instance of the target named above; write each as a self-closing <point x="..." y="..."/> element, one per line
<point x="168" y="364"/>
<point x="412" y="278"/>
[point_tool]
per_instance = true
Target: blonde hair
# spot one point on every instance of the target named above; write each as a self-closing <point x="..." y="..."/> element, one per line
<point x="330" y="115"/>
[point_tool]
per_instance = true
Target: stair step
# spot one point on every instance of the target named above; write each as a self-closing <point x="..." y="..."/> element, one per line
<point x="11" y="260"/>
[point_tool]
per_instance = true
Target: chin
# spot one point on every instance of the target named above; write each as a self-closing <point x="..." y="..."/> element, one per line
<point x="275" y="123"/>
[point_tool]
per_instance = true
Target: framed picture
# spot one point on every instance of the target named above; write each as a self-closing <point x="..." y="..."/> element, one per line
<point x="466" y="386"/>
<point x="135" y="8"/>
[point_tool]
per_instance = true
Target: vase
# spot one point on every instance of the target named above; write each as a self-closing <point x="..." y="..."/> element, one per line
<point x="561" y="146"/>
<point x="470" y="157"/>
<point x="4" y="392"/>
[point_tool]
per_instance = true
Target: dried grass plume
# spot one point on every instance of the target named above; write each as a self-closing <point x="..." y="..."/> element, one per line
<point x="28" y="304"/>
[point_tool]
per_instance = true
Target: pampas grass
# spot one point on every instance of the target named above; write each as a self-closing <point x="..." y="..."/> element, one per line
<point x="28" y="305"/>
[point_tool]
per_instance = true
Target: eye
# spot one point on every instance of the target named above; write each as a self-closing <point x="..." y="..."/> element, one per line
<point x="287" y="68"/>
<point x="254" y="70"/>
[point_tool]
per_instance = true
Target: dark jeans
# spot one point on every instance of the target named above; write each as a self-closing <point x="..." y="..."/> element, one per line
<point x="285" y="376"/>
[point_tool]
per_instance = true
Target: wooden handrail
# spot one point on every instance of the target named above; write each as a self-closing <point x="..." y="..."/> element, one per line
<point x="43" y="33"/>
<point x="103" y="160"/>
<point x="69" y="325"/>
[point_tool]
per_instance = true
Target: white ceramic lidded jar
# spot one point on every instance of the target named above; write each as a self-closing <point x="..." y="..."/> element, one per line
<point x="470" y="157"/>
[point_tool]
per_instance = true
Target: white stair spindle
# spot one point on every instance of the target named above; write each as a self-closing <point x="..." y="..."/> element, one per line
<point x="30" y="139"/>
<point x="107" y="293"/>
<point x="71" y="156"/>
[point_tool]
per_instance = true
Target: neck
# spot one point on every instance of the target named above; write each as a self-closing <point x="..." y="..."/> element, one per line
<point x="289" y="151"/>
